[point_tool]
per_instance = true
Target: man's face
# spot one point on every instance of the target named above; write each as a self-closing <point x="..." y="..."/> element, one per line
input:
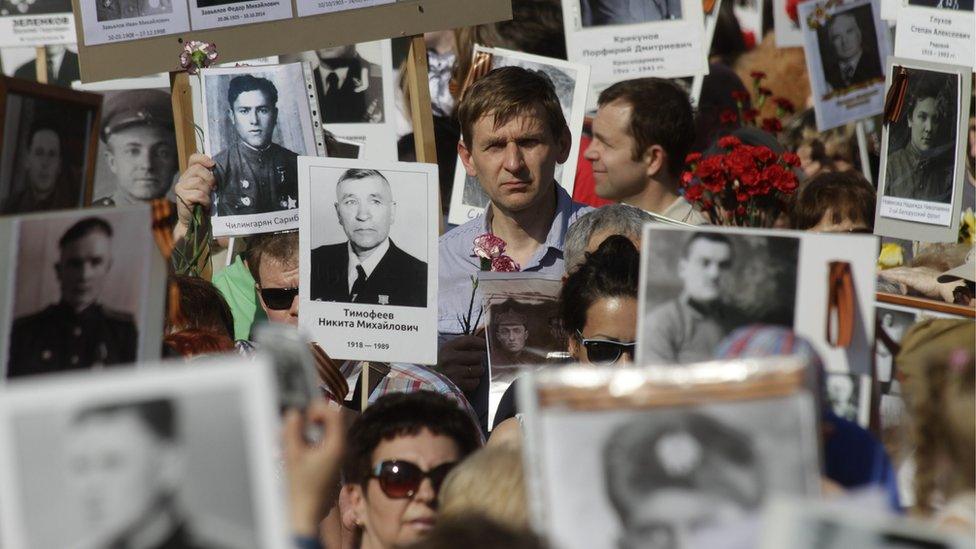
<point x="512" y="337"/>
<point x="276" y="274"/>
<point x="44" y="161"/>
<point x="82" y="268"/>
<point x="254" y="118"/>
<point x="671" y="517"/>
<point x="366" y="211"/>
<point x="516" y="162"/>
<point x="618" y="176"/>
<point x="705" y="268"/>
<point x="391" y="522"/>
<point x="114" y="471"/>
<point x="839" y="388"/>
<point x="143" y="158"/>
<point x="845" y="36"/>
<point x="923" y="123"/>
<point x="337" y="52"/>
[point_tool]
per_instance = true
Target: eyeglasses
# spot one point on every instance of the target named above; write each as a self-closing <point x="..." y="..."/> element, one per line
<point x="603" y="351"/>
<point x="401" y="479"/>
<point x="278" y="299"/>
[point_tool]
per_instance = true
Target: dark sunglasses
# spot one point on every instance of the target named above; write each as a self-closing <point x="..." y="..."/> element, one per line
<point x="401" y="479"/>
<point x="278" y="299"/>
<point x="603" y="351"/>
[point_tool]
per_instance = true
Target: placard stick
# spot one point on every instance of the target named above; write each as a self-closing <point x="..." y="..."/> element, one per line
<point x="186" y="138"/>
<point x="418" y="87"/>
<point x="40" y="64"/>
<point x="862" y="147"/>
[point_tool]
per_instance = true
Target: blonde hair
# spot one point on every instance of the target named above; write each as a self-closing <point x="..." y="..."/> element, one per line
<point x="490" y="482"/>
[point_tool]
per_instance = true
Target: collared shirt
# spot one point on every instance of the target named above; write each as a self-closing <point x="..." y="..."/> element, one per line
<point x="682" y="210"/>
<point x="679" y="333"/>
<point x="849" y="67"/>
<point x="458" y="264"/>
<point x="920" y="175"/>
<point x="369" y="264"/>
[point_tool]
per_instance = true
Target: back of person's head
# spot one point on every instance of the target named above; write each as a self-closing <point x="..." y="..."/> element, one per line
<point x="475" y="531"/>
<point x="507" y="92"/>
<point x="661" y="114"/>
<point x="193" y="342"/>
<point x="280" y="248"/>
<point x="491" y="482"/>
<point x="609" y="220"/>
<point x="612" y="270"/>
<point x="202" y="307"/>
<point x="406" y="414"/>
<point x="841" y="195"/>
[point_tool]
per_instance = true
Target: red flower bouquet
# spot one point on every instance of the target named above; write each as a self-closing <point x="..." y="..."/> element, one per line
<point x="746" y="186"/>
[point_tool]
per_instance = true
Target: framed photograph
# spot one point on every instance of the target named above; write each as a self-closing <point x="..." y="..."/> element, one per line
<point x="60" y="64"/>
<point x="643" y="457"/>
<point x="571" y="81"/>
<point x="356" y="88"/>
<point x="937" y="31"/>
<point x="36" y="23"/>
<point x="86" y="291"/>
<point x="705" y="282"/>
<point x="256" y="122"/>
<point x="622" y="40"/>
<point x="786" y="25"/>
<point x="845" y="45"/>
<point x="47" y="146"/>
<point x="816" y="524"/>
<point x="181" y="454"/>
<point x="523" y="325"/>
<point x="368" y="245"/>
<point x="923" y="154"/>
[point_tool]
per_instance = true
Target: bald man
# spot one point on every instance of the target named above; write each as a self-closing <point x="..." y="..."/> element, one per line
<point x="369" y="267"/>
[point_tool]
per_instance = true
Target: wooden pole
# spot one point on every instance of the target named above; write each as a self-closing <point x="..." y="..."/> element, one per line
<point x="40" y="65"/>
<point x="862" y="147"/>
<point x="418" y="88"/>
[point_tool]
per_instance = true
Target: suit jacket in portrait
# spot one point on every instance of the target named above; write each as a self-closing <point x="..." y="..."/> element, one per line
<point x="251" y="181"/>
<point x="110" y="10"/>
<point x="398" y="279"/>
<point x="622" y="12"/>
<point x="868" y="67"/>
<point x="66" y="73"/>
<point x="344" y="104"/>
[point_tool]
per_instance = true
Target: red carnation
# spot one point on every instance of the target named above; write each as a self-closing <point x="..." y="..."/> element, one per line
<point x="792" y="159"/>
<point x="711" y="172"/>
<point x="692" y="158"/>
<point x="741" y="197"/>
<point x="784" y="104"/>
<point x="740" y="211"/>
<point x="772" y="125"/>
<point x="686" y="178"/>
<point x="729" y="141"/>
<point x="750" y="115"/>
<point x="739" y="160"/>
<point x="765" y="91"/>
<point x="728" y="116"/>
<point x="694" y="193"/>
<point x="740" y="96"/>
<point x="757" y="75"/>
<point x="781" y="178"/>
<point x="504" y="264"/>
<point x="763" y="155"/>
<point x="791" y="10"/>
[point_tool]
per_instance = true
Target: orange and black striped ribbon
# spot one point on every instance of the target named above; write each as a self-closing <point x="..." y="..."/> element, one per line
<point x="480" y="66"/>
<point x="895" y="100"/>
<point x="329" y="373"/>
<point x="840" y="305"/>
<point x="162" y="230"/>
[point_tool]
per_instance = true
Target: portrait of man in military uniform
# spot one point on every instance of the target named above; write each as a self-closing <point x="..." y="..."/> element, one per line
<point x="922" y="146"/>
<point x="77" y="331"/>
<point x="139" y="146"/>
<point x="350" y="87"/>
<point x="254" y="175"/>
<point x="110" y="10"/>
<point x="46" y="180"/>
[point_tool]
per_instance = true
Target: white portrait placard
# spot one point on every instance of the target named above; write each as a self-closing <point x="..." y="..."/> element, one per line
<point x="845" y="44"/>
<point x="125" y="20"/>
<point x="356" y="303"/>
<point x="315" y="7"/>
<point x="663" y="38"/>
<point x="205" y="14"/>
<point x="571" y="81"/>
<point x="787" y="29"/>
<point x="36" y="23"/>
<point x="922" y="167"/>
<point x="936" y="35"/>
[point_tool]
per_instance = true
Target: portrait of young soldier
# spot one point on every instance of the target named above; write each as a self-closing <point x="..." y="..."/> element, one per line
<point x="254" y="174"/>
<point x="139" y="146"/>
<point x="511" y="338"/>
<point x="369" y="267"/>
<point x="922" y="168"/>
<point x="45" y="181"/>
<point x="123" y="470"/>
<point x="849" y="49"/>
<point x="77" y="332"/>
<point x="350" y="87"/>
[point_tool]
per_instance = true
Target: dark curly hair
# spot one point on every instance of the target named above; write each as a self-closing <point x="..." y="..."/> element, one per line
<point x="406" y="414"/>
<point x="611" y="271"/>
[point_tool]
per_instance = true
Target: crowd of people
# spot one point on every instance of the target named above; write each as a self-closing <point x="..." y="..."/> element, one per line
<point x="417" y="464"/>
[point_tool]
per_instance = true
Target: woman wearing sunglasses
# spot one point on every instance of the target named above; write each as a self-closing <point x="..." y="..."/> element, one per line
<point x="399" y="452"/>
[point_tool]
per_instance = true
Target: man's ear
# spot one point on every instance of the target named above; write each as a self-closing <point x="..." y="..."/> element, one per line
<point x="656" y="159"/>
<point x="465" y="154"/>
<point x="110" y="157"/>
<point x="565" y="143"/>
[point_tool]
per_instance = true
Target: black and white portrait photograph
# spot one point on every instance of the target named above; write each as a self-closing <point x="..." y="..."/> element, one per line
<point x="849" y="396"/>
<point x="685" y="476"/>
<point x="48" y="147"/>
<point x="703" y="284"/>
<point x="154" y="458"/>
<point x="33" y="7"/>
<point x="893" y="322"/>
<point x="87" y="292"/>
<point x="35" y="23"/>
<point x="60" y="64"/>
<point x="257" y="122"/>
<point x="369" y="233"/>
<point x="110" y="10"/>
<point x="597" y="13"/>
<point x="571" y="81"/>
<point x="845" y="47"/>
<point x="957" y="5"/>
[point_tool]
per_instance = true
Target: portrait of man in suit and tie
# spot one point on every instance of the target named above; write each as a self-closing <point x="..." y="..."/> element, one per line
<point x="597" y="13"/>
<point x="849" y="49"/>
<point x="368" y="267"/>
